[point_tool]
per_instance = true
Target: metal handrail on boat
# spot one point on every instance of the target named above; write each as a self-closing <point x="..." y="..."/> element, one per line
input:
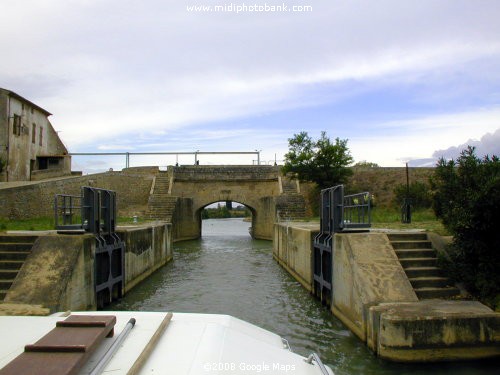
<point x="98" y="369"/>
<point x="315" y="357"/>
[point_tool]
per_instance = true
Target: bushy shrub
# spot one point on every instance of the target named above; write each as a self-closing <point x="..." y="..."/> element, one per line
<point x="466" y="196"/>
<point x="417" y="191"/>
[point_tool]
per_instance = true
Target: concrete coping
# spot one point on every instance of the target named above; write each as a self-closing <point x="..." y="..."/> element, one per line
<point x="434" y="309"/>
<point x="23" y="309"/>
<point x="131" y="227"/>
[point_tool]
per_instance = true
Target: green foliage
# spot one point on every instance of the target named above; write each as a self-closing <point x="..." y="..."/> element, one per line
<point x="417" y="191"/>
<point x="221" y="212"/>
<point x="467" y="199"/>
<point x="323" y="161"/>
<point x="366" y="164"/>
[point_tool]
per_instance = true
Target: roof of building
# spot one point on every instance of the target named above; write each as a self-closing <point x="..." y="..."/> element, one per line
<point x="19" y="97"/>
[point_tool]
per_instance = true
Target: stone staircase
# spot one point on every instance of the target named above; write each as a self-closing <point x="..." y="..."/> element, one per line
<point x="161" y="205"/>
<point x="288" y="185"/>
<point x="13" y="252"/>
<point x="290" y="204"/>
<point x="419" y="261"/>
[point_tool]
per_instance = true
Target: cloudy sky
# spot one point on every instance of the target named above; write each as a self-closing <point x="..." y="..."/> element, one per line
<point x="401" y="80"/>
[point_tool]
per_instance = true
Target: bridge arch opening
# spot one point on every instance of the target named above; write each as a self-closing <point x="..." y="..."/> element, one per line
<point x="228" y="209"/>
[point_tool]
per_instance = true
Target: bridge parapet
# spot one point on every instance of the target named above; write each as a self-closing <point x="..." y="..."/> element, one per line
<point x="225" y="173"/>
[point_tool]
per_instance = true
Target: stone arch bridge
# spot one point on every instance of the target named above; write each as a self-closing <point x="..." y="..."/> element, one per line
<point x="180" y="194"/>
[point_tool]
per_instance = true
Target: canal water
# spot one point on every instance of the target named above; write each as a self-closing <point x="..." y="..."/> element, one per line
<point x="227" y="272"/>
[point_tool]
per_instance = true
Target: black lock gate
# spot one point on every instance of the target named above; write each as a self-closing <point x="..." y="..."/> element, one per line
<point x="339" y="213"/>
<point x="95" y="212"/>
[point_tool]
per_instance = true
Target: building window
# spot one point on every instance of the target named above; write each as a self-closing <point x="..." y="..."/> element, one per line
<point x="41" y="137"/>
<point x="48" y="162"/>
<point x="33" y="133"/>
<point x="17" y="125"/>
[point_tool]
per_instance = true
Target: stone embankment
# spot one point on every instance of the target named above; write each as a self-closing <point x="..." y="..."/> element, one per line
<point x="57" y="271"/>
<point x="387" y="289"/>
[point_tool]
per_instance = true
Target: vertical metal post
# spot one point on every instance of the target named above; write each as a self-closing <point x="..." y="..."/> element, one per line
<point x="406" y="207"/>
<point x="56" y="209"/>
<point x="407" y="182"/>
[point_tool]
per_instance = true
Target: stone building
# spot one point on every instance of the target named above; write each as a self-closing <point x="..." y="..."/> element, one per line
<point x="30" y="148"/>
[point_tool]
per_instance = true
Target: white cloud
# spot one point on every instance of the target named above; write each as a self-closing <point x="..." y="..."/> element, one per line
<point x="419" y="138"/>
<point x="116" y="69"/>
<point x="489" y="144"/>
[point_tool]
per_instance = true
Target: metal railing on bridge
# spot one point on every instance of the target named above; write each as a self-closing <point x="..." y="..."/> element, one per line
<point x="196" y="155"/>
<point x="339" y="213"/>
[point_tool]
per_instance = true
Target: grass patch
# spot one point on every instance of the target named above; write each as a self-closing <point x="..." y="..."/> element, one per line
<point x="47" y="223"/>
<point x="40" y="223"/>
<point x="390" y="218"/>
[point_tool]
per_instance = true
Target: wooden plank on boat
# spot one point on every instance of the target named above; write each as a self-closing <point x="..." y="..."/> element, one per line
<point x="64" y="350"/>
<point x="136" y="367"/>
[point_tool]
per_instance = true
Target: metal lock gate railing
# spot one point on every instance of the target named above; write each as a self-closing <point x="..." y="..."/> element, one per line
<point x="339" y="213"/>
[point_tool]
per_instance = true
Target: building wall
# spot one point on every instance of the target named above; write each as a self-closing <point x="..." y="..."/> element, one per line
<point x="3" y="137"/>
<point x="28" y="138"/>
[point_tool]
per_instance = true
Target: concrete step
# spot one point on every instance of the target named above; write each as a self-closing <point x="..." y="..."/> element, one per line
<point x="439" y="293"/>
<point x="5" y="284"/>
<point x="3" y="293"/>
<point x="18" y="239"/>
<point x="418" y="262"/>
<point x="8" y="274"/>
<point x="14" y="255"/>
<point x="14" y="246"/>
<point x="416" y="253"/>
<point x="11" y="264"/>
<point x="429" y="282"/>
<point x="397" y="245"/>
<point x="414" y="272"/>
<point x="407" y="236"/>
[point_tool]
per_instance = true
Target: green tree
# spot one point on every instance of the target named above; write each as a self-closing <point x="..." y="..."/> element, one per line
<point x="323" y="161"/>
<point x="299" y="158"/>
<point x="466" y="196"/>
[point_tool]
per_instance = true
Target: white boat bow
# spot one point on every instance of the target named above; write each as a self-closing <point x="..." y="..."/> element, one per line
<point x="161" y="343"/>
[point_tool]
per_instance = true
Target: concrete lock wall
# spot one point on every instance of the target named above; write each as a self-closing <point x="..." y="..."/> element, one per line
<point x="293" y="250"/>
<point x="434" y="330"/>
<point x="59" y="272"/>
<point x="147" y="248"/>
<point x="366" y="272"/>
<point x="37" y="200"/>
<point x="373" y="297"/>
